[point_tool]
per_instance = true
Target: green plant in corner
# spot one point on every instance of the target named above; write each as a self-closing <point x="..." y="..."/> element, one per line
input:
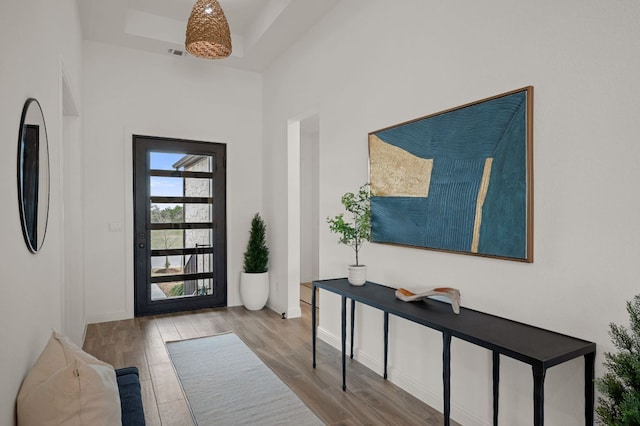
<point x="355" y="232"/>
<point x="256" y="258"/>
<point x="620" y="386"/>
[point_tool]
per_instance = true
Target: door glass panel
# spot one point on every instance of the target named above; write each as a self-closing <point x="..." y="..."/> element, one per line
<point x="198" y="263"/>
<point x="167" y="265"/>
<point x="164" y="239"/>
<point x="181" y="289"/>
<point x="197" y="213"/>
<point x="196" y="163"/>
<point x="198" y="238"/>
<point x="166" y="213"/>
<point x="201" y="287"/>
<point x="164" y="160"/>
<point x="166" y="186"/>
<point x="163" y="186"/>
<point x="181" y="264"/>
<point x="169" y="290"/>
<point x="197" y="187"/>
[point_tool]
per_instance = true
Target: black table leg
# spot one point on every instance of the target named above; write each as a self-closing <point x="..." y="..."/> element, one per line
<point x="538" y="395"/>
<point x="589" y="375"/>
<point x="496" y="386"/>
<point x="353" y="322"/>
<point x="446" y="375"/>
<point x="386" y="342"/>
<point x="313" y="322"/>
<point x="344" y="343"/>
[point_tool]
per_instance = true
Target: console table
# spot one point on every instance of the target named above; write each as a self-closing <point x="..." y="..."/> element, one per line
<point x="537" y="347"/>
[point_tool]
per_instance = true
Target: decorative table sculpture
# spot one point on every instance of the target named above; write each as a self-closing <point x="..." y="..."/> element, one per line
<point x="453" y="294"/>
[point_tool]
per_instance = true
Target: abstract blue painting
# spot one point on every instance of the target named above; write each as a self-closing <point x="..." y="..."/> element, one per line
<point x="458" y="180"/>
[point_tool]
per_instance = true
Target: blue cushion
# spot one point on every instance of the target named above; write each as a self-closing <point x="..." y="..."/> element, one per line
<point x="130" y="396"/>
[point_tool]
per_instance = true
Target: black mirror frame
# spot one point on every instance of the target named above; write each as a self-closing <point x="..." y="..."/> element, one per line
<point x="33" y="242"/>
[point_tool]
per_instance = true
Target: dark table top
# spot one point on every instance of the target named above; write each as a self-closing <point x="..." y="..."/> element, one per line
<point x="526" y="343"/>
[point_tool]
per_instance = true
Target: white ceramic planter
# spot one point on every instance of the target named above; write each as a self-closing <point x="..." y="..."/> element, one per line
<point x="357" y="274"/>
<point x="254" y="290"/>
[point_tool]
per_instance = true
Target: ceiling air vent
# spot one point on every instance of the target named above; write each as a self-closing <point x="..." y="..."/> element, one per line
<point x="176" y="52"/>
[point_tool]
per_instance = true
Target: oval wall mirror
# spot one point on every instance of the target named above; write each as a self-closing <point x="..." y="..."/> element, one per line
<point x="33" y="175"/>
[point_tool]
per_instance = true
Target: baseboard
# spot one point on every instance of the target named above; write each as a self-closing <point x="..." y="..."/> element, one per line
<point x="107" y="316"/>
<point x="405" y="382"/>
<point x="290" y="312"/>
<point x="329" y="338"/>
<point x="275" y="308"/>
<point x="294" y="312"/>
<point x="458" y="413"/>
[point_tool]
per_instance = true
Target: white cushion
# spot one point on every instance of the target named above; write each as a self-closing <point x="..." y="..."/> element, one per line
<point x="73" y="351"/>
<point x="67" y="386"/>
<point x="51" y="360"/>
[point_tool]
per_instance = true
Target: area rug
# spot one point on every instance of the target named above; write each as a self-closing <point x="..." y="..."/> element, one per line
<point x="227" y="384"/>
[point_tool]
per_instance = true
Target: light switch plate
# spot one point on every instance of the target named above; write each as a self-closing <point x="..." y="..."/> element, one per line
<point x="115" y="227"/>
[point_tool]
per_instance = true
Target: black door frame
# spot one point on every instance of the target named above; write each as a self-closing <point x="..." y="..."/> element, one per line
<point x="142" y="145"/>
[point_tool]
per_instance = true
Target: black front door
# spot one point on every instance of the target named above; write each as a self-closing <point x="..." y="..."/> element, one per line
<point x="179" y="190"/>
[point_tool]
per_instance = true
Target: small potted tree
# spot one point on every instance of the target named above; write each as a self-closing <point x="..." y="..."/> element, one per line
<point x="254" y="280"/>
<point x="620" y="386"/>
<point x="356" y="231"/>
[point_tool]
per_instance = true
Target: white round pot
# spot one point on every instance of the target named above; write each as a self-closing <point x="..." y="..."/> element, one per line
<point x="357" y="274"/>
<point x="254" y="290"/>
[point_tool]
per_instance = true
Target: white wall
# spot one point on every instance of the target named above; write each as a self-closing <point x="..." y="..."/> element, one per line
<point x="74" y="324"/>
<point x="372" y="64"/>
<point x="40" y="38"/>
<point x="129" y="92"/>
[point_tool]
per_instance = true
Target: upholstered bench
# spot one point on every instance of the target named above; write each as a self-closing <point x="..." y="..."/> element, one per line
<point x="130" y="396"/>
<point x="67" y="386"/>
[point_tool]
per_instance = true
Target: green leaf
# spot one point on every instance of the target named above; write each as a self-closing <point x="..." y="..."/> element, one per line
<point x="256" y="258"/>
<point x="619" y="404"/>
<point x="357" y="230"/>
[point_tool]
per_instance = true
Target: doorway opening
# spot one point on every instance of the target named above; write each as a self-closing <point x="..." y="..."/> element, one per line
<point x="309" y="204"/>
<point x="180" y="254"/>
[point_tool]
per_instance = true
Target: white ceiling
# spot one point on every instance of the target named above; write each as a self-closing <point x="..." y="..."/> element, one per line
<point x="260" y="29"/>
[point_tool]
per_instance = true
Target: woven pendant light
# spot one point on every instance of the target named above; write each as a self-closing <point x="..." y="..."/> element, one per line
<point x="208" y="31"/>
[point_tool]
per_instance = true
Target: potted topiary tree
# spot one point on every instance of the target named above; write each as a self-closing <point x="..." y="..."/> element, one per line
<point x="254" y="280"/>
<point x="620" y="386"/>
<point x="356" y="231"/>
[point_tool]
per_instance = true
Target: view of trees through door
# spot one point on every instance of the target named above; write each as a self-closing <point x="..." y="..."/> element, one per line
<point x="180" y="223"/>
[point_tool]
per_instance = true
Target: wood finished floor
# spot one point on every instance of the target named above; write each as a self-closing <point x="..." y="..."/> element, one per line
<point x="284" y="345"/>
